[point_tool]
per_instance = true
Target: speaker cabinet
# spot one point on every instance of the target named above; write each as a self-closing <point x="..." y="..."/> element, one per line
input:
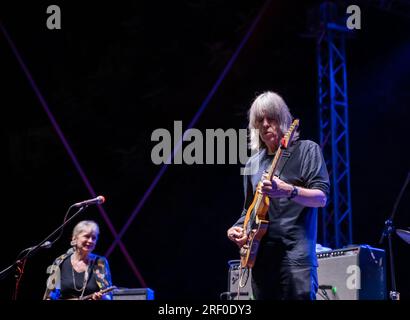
<point x="354" y="273"/>
<point x="133" y="294"/>
<point x="245" y="293"/>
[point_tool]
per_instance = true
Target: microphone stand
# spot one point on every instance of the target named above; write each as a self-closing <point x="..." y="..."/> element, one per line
<point x="20" y="263"/>
<point x="387" y="232"/>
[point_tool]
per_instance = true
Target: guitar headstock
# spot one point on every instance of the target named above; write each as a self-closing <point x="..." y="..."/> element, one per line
<point x="288" y="137"/>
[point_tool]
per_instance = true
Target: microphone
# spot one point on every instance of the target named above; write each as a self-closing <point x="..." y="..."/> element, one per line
<point x="98" y="200"/>
<point x="45" y="245"/>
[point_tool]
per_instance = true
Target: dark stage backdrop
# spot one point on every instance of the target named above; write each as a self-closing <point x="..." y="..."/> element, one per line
<point x="117" y="71"/>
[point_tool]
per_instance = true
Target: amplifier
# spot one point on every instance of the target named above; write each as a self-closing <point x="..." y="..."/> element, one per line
<point x="354" y="273"/>
<point x="245" y="293"/>
<point x="133" y="294"/>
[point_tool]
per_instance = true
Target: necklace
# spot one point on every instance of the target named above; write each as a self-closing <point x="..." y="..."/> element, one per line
<point x="84" y="281"/>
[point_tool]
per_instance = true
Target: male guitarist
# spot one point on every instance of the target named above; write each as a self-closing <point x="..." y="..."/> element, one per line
<point x="285" y="267"/>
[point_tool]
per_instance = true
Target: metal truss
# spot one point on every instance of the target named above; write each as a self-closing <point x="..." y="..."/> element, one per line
<point x="336" y="217"/>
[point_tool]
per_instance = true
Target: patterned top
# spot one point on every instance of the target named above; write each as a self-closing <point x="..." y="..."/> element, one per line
<point x="101" y="272"/>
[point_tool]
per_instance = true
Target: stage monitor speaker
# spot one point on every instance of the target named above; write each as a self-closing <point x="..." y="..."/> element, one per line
<point x="133" y="294"/>
<point x="354" y="273"/>
<point x="245" y="293"/>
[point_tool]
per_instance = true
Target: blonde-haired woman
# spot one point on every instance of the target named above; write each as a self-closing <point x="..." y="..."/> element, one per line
<point x="78" y="272"/>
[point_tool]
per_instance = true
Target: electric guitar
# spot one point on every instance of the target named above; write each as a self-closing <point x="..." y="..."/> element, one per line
<point x="256" y="224"/>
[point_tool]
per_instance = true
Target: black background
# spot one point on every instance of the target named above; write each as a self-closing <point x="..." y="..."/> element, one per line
<point x="117" y="71"/>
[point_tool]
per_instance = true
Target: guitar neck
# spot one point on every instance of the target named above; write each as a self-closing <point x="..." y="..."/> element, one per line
<point x="274" y="163"/>
<point x="271" y="170"/>
<point x="106" y="290"/>
<point x="284" y="143"/>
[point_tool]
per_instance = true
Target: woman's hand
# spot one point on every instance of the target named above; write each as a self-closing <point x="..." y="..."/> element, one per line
<point x="96" y="296"/>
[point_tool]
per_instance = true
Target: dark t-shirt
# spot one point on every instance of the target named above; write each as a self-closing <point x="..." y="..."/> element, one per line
<point x="67" y="281"/>
<point x="291" y="225"/>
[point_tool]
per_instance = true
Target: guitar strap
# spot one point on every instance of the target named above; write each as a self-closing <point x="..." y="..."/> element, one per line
<point x="286" y="154"/>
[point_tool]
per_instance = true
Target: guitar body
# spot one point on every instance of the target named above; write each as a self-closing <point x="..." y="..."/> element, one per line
<point x="254" y="228"/>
